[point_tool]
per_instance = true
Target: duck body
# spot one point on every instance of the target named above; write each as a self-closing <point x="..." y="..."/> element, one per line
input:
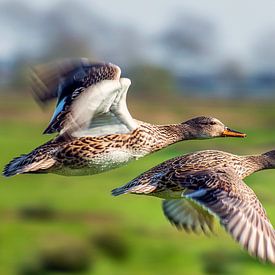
<point x="160" y="178"/>
<point x="95" y="131"/>
<point x="198" y="186"/>
<point x="88" y="155"/>
<point x="91" y="155"/>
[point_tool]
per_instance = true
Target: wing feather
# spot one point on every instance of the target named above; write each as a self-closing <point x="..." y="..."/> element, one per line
<point x="238" y="209"/>
<point x="188" y="215"/>
<point x="91" y="97"/>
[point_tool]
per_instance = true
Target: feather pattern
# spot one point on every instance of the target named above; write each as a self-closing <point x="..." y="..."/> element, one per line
<point x="96" y="132"/>
<point x="240" y="213"/>
<point x="209" y="183"/>
<point x="187" y="215"/>
<point x="68" y="81"/>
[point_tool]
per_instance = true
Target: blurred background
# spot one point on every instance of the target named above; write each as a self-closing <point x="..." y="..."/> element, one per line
<point x="185" y="58"/>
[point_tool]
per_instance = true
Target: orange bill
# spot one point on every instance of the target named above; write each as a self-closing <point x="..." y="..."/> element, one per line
<point x="232" y="133"/>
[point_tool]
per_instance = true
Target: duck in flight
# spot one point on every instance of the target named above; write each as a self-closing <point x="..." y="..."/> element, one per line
<point x="198" y="186"/>
<point x="95" y="131"/>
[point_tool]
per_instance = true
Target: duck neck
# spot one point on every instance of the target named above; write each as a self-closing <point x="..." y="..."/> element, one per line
<point x="178" y="132"/>
<point x="256" y="163"/>
<point x="165" y="135"/>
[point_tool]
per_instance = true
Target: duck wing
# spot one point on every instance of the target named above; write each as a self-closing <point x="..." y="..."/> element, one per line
<point x="112" y="115"/>
<point x="218" y="191"/>
<point x="188" y="215"/>
<point x="237" y="207"/>
<point x="91" y="98"/>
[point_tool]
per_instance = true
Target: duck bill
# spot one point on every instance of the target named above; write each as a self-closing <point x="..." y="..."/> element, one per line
<point x="232" y="133"/>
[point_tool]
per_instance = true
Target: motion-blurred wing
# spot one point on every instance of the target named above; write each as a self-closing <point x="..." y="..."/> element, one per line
<point x="85" y="93"/>
<point x="45" y="78"/>
<point x="187" y="215"/>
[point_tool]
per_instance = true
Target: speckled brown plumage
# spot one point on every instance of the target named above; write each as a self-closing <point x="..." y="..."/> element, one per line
<point x="90" y="155"/>
<point x="78" y="152"/>
<point x="95" y="130"/>
<point x="190" y="163"/>
<point x="213" y="181"/>
<point x="76" y="76"/>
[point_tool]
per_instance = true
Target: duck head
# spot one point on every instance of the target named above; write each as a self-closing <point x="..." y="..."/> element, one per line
<point x="209" y="127"/>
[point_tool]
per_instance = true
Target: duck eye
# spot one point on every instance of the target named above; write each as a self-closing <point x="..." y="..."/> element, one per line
<point x="213" y="123"/>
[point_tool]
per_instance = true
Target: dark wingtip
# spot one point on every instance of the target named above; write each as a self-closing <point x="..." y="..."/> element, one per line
<point x="7" y="172"/>
<point x="13" y="168"/>
<point x="118" y="191"/>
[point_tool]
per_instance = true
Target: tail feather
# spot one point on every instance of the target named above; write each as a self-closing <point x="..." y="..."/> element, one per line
<point x="27" y="164"/>
<point x="134" y="187"/>
<point x="12" y="168"/>
<point x="119" y="191"/>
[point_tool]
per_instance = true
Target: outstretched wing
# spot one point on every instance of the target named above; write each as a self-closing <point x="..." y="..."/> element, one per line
<point x="111" y="115"/>
<point x="45" y="78"/>
<point x="85" y="94"/>
<point x="237" y="208"/>
<point x="188" y="215"/>
<point x="219" y="191"/>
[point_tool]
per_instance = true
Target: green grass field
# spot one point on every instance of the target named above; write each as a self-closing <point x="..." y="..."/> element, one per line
<point x="49" y="218"/>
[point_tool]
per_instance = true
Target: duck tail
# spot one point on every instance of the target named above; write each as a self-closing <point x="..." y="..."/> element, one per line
<point x="28" y="164"/>
<point x="134" y="187"/>
<point x="120" y="191"/>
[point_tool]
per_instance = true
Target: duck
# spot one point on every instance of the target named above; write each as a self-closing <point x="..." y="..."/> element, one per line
<point x="199" y="186"/>
<point x="95" y="131"/>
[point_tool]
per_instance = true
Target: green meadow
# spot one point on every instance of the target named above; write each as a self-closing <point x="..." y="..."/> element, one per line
<point x="51" y="224"/>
